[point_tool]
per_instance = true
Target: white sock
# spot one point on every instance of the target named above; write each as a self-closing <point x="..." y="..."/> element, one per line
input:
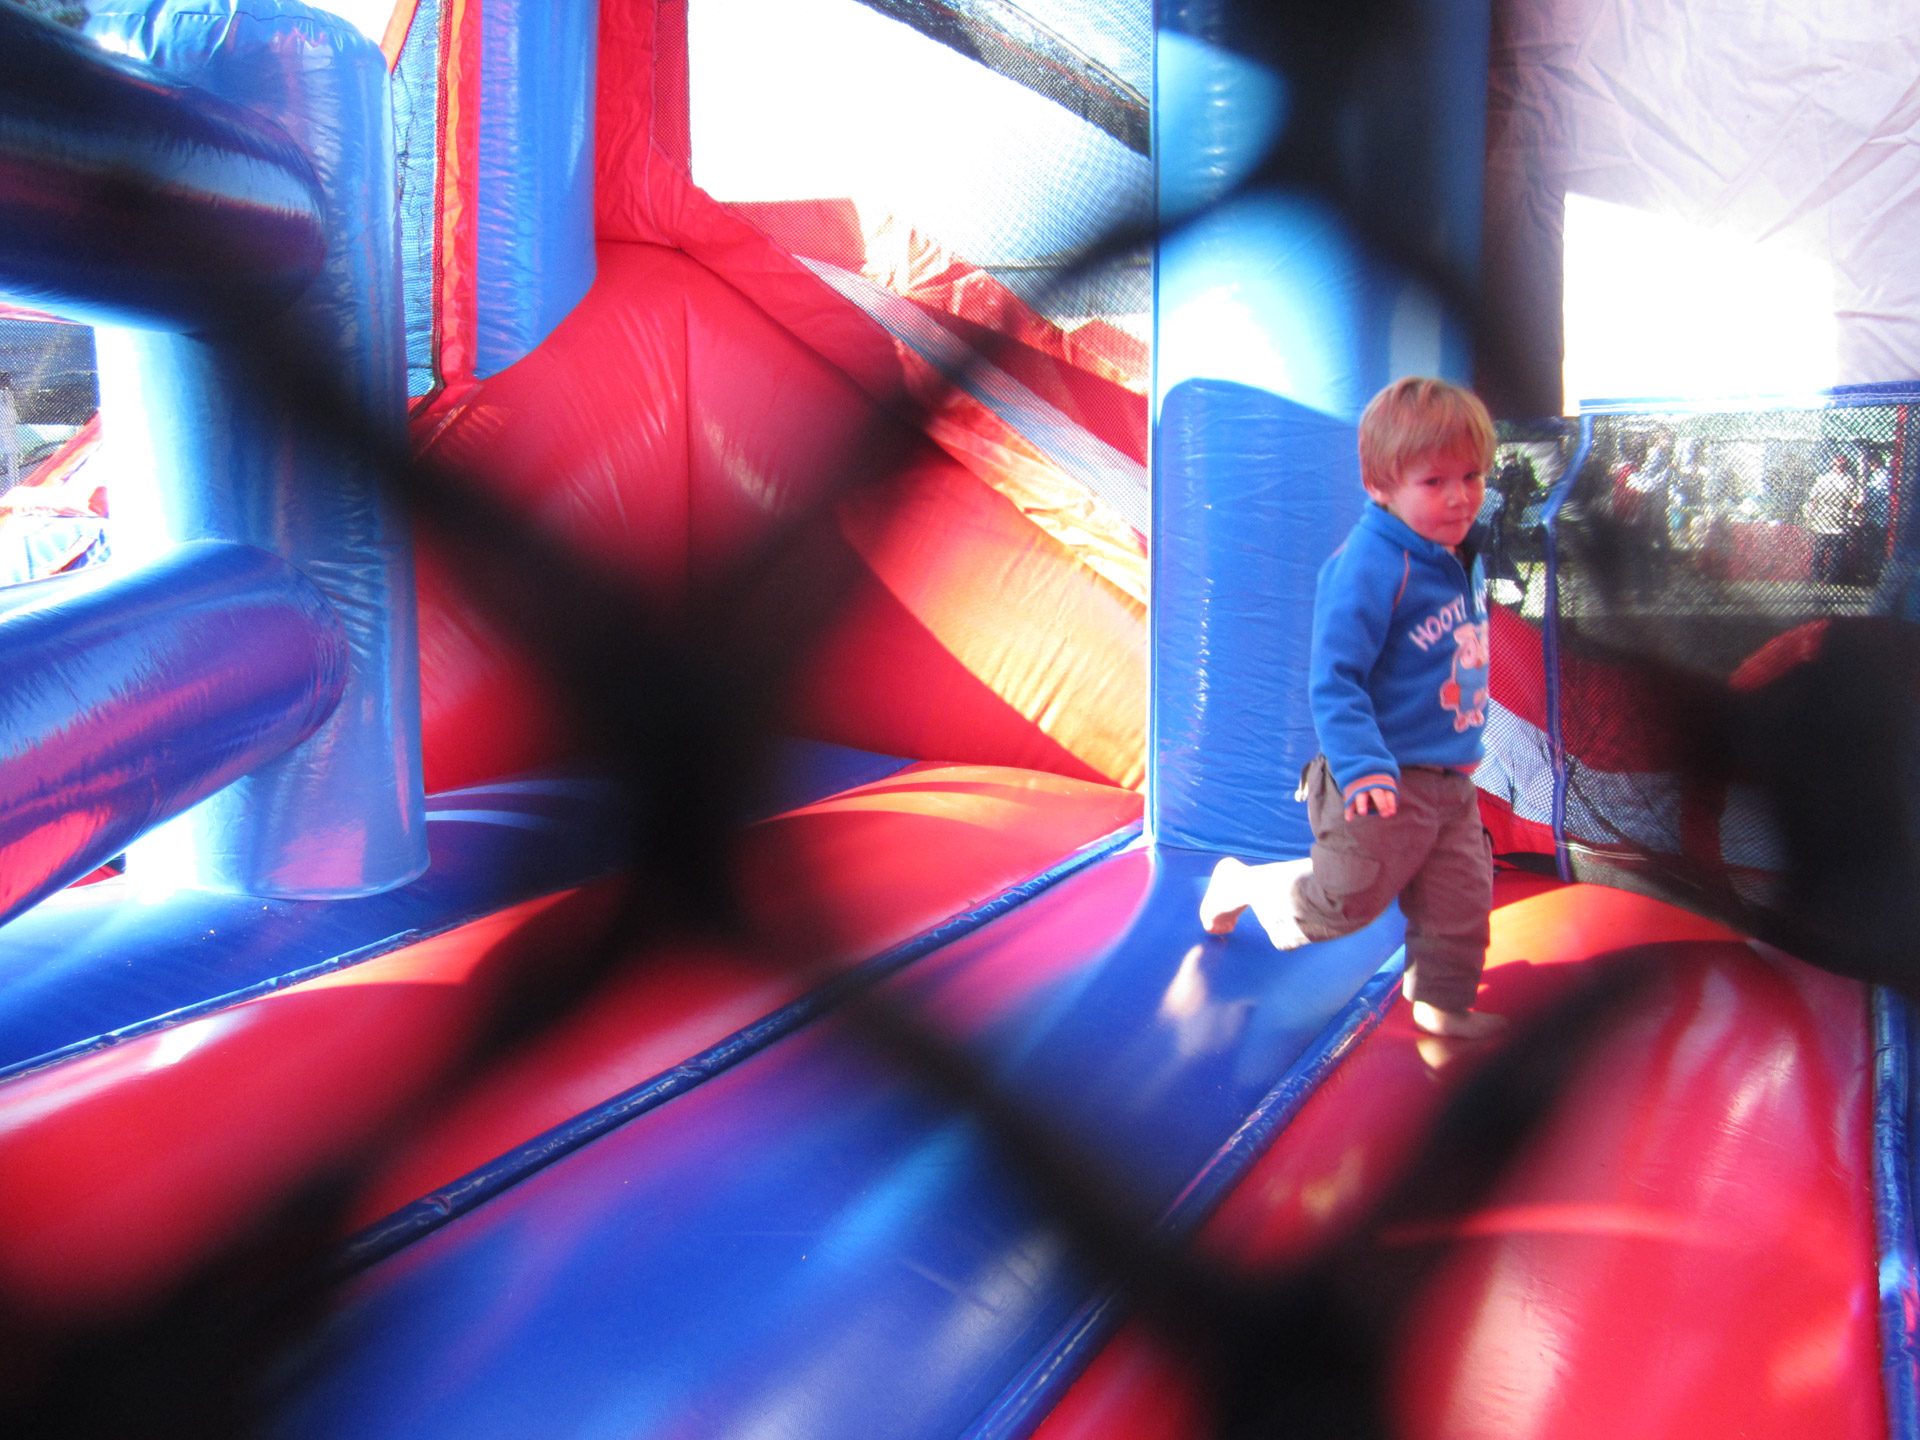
<point x="1269" y="890"/>
<point x="1223" y="904"/>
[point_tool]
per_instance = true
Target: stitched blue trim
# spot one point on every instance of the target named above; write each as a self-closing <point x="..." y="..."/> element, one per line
<point x="1550" y="643"/>
<point x="1046" y="1378"/>
<point x="226" y="1001"/>
<point x="1893" y="1219"/>
<point x="423" y="1216"/>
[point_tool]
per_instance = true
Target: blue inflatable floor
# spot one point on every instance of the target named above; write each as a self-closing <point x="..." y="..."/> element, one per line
<point x="100" y="963"/>
<point x="809" y="1245"/>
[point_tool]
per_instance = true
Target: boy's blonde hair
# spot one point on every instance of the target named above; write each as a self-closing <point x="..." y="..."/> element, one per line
<point x="1418" y="417"/>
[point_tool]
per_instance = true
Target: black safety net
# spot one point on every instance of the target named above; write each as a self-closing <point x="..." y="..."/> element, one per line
<point x="1664" y="615"/>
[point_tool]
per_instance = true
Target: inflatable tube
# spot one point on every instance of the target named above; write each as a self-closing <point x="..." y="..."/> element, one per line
<point x="1893" y="1194"/>
<point x="1275" y="320"/>
<point x="125" y="701"/>
<point x="132" y="199"/>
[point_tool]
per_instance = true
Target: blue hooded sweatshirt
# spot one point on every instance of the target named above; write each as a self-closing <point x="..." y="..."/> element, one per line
<point x="1398" y="670"/>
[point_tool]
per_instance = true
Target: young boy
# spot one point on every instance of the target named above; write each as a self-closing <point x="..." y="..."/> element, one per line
<point x="1398" y="688"/>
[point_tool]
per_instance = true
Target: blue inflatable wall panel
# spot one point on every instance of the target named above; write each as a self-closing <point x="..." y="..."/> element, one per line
<point x="1255" y="492"/>
<point x="1274" y="324"/>
<point x="535" y="257"/>
<point x="223" y="459"/>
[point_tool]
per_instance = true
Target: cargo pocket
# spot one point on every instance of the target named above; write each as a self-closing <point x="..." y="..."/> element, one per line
<point x="1326" y="811"/>
<point x="1339" y="897"/>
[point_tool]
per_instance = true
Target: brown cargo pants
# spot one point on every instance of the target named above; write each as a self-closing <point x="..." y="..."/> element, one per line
<point x="1432" y="852"/>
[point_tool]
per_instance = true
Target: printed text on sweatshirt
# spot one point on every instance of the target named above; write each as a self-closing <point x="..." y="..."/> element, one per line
<point x="1398" y="669"/>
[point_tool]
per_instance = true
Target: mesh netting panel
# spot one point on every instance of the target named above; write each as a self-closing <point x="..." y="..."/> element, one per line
<point x="50" y="369"/>
<point x="48" y="390"/>
<point x="1699" y="538"/>
<point x="1694" y="559"/>
<point x="868" y="136"/>
<point x="52" y="497"/>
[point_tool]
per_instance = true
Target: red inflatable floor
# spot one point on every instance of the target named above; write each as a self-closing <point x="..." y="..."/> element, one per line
<point x="1687" y="1253"/>
<point x="120" y="1168"/>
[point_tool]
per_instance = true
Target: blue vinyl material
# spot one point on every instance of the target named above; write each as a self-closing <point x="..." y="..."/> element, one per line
<point x="1269" y="291"/>
<point x="808" y="770"/>
<point x="416" y="130"/>
<point x="224" y="459"/>
<point x="1049" y="1375"/>
<point x="810" y="1246"/>
<point x="1216" y="116"/>
<point x="105" y="962"/>
<point x="214" y="209"/>
<point x="427" y="1214"/>
<point x="126" y="697"/>
<point x="1274" y="324"/>
<point x="1255" y="492"/>
<point x="535" y="194"/>
<point x="1893" y="1212"/>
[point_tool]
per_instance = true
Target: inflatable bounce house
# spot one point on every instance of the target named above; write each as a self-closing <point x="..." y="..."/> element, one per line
<point x="998" y="305"/>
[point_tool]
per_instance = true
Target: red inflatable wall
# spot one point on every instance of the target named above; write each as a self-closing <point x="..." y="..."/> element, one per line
<point x="707" y="385"/>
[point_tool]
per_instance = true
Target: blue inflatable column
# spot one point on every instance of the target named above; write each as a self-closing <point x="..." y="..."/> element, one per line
<point x="205" y="452"/>
<point x="1273" y="326"/>
<point x="535" y="255"/>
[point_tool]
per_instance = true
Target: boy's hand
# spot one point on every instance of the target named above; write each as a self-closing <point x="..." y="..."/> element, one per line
<point x="1384" y="803"/>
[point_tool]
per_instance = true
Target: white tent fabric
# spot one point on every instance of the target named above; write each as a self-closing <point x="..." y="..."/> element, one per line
<point x="1790" y="128"/>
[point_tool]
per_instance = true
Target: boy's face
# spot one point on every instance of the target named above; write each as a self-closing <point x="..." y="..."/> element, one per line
<point x="1437" y="497"/>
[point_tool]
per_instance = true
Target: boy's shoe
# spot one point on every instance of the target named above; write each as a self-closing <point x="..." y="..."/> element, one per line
<point x="1458" y="1024"/>
<point x="1225" y="901"/>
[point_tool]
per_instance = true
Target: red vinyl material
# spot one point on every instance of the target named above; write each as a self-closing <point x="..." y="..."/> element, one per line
<point x="709" y="381"/>
<point x="485" y="707"/>
<point x="858" y="872"/>
<point x="642" y="195"/>
<point x="1511" y="833"/>
<point x="119" y="1169"/>
<point x="1614" y="718"/>
<point x="456" y="246"/>
<point x="1102" y="406"/>
<point x="919" y="267"/>
<point x="1095" y="375"/>
<point x="1687" y="1252"/>
<point x="661" y="424"/>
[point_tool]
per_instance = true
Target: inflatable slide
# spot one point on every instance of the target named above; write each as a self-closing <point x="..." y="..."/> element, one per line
<point x="676" y="303"/>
